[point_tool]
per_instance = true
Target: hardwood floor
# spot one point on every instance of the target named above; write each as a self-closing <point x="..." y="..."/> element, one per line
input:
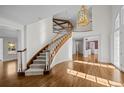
<point x="66" y="74"/>
<point x="90" y="58"/>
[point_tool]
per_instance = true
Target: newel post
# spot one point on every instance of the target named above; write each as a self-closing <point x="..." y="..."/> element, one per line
<point x="48" y="60"/>
<point x="19" y="62"/>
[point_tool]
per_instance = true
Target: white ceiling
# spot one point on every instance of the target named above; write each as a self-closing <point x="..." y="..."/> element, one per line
<point x="26" y="14"/>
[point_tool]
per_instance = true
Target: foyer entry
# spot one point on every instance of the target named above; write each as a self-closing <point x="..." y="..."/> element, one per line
<point x="86" y="49"/>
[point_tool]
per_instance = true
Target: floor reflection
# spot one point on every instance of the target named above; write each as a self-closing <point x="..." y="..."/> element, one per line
<point x="95" y="64"/>
<point x="8" y="68"/>
<point x="95" y="79"/>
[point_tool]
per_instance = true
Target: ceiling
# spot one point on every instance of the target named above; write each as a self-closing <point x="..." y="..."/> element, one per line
<point x="26" y="14"/>
<point x="72" y="14"/>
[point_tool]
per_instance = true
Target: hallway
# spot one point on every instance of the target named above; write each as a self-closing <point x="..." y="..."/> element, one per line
<point x="66" y="74"/>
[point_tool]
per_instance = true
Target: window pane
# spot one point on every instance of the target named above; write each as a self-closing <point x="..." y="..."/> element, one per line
<point x="117" y="22"/>
<point x="117" y="48"/>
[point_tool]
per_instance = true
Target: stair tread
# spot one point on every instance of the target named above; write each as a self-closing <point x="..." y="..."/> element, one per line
<point x="38" y="64"/>
<point x="41" y="56"/>
<point x="43" y="53"/>
<point x="34" y="70"/>
<point x="39" y="60"/>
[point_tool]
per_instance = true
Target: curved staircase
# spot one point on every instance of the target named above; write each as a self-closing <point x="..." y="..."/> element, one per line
<point x="41" y="61"/>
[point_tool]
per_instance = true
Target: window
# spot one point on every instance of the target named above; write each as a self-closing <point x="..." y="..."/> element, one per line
<point x="122" y="15"/>
<point x="117" y="41"/>
<point x="117" y="48"/>
<point x="117" y="22"/>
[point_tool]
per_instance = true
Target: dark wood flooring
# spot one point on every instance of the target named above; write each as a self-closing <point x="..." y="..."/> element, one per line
<point x="66" y="74"/>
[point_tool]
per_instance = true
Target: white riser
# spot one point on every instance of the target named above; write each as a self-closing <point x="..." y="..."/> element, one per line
<point x="32" y="74"/>
<point x="37" y="66"/>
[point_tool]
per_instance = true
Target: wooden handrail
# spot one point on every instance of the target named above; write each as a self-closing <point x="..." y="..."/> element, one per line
<point x="55" y="36"/>
<point x="22" y="50"/>
<point x="53" y="41"/>
<point x="60" y="22"/>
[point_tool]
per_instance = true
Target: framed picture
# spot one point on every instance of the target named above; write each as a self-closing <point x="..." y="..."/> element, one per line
<point x="11" y="48"/>
<point x="122" y="15"/>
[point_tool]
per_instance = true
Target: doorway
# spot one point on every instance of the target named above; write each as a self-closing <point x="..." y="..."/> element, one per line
<point x="86" y="49"/>
<point x="77" y="49"/>
<point x="93" y="49"/>
<point x="8" y="50"/>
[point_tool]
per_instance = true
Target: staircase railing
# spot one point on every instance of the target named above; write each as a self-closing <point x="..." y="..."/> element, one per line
<point x="54" y="46"/>
<point x="51" y="49"/>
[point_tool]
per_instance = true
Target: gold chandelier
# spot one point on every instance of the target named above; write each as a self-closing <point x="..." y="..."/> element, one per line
<point x="83" y="18"/>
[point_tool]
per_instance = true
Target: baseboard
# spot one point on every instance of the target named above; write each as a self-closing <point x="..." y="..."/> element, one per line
<point x="105" y="62"/>
<point x="10" y="60"/>
<point x="117" y="68"/>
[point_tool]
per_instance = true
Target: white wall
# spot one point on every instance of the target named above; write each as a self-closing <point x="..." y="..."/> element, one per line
<point x="115" y="11"/>
<point x="38" y="35"/>
<point x="64" y="53"/>
<point x="6" y="56"/>
<point x="1" y="49"/>
<point x="101" y="17"/>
